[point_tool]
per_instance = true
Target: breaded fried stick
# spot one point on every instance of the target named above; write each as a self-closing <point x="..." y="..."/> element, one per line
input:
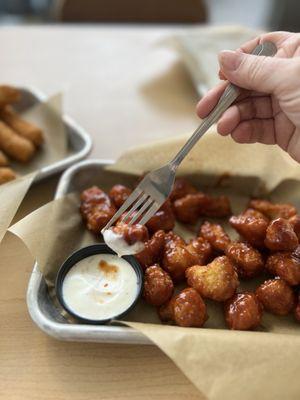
<point x="22" y="127"/>
<point x="3" y="159"/>
<point x="8" y="95"/>
<point x="14" y="145"/>
<point x="6" y="175"/>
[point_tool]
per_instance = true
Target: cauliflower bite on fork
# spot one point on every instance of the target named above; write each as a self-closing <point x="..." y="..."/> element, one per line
<point x="131" y="233"/>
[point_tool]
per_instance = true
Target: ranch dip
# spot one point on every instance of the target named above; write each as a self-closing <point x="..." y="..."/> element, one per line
<point x="100" y="287"/>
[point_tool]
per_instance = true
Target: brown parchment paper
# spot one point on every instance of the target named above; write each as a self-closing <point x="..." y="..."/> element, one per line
<point x="222" y="364"/>
<point x="199" y="46"/>
<point x="48" y="116"/>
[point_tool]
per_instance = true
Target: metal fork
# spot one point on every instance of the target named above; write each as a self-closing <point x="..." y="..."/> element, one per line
<point x="156" y="186"/>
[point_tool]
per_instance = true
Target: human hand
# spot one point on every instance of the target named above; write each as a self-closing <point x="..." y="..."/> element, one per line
<point x="268" y="109"/>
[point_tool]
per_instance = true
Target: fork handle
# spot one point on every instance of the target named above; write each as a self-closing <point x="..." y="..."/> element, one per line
<point x="229" y="95"/>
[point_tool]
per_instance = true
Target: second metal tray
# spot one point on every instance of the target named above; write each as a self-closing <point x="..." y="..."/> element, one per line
<point x="79" y="142"/>
<point x="41" y="307"/>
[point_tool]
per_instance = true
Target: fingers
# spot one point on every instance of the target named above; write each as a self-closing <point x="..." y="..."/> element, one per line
<point x="277" y="38"/>
<point x="263" y="74"/>
<point x="252" y="107"/>
<point x="284" y="130"/>
<point x="255" y="130"/>
<point x="229" y="121"/>
<point x="208" y="102"/>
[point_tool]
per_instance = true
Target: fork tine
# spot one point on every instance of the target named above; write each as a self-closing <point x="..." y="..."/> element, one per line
<point x="151" y="211"/>
<point x="134" y="207"/>
<point x="134" y="195"/>
<point x="144" y="208"/>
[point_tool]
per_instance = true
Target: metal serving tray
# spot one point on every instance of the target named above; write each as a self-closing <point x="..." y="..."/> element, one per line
<point x="79" y="142"/>
<point x="41" y="307"/>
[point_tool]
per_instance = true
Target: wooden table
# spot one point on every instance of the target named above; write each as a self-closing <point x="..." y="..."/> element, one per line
<point x="126" y="87"/>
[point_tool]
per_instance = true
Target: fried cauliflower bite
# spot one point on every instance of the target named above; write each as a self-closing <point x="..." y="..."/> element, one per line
<point x="187" y="209"/>
<point x="177" y="258"/>
<point x="119" y="194"/>
<point x="166" y="311"/>
<point x="297" y="309"/>
<point x="131" y="233"/>
<point x="158" y="286"/>
<point x="187" y="309"/>
<point x="201" y="249"/>
<point x="250" y="227"/>
<point x="216" y="207"/>
<point x="215" y="235"/>
<point x="96" y="208"/>
<point x="295" y="222"/>
<point x="285" y="265"/>
<point x="171" y="239"/>
<point x="152" y="251"/>
<point x="217" y="281"/>
<point x="181" y="188"/>
<point x="163" y="219"/>
<point x="276" y="296"/>
<point x="243" y="312"/>
<point x="250" y="212"/>
<point x="249" y="261"/>
<point x="273" y="210"/>
<point x="280" y="236"/>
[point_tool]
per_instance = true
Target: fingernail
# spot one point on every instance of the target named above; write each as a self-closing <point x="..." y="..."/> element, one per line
<point x="230" y="60"/>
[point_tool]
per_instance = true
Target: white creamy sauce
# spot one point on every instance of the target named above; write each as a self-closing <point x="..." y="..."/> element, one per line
<point x="118" y="244"/>
<point x="100" y="287"/>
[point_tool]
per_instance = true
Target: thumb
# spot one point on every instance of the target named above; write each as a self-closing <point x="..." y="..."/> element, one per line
<point x="259" y="73"/>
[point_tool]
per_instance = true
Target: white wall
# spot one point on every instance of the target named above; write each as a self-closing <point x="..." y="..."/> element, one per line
<point x="252" y="13"/>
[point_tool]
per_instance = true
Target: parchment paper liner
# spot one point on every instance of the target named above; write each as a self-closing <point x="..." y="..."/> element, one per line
<point x="222" y="364"/>
<point x="199" y="46"/>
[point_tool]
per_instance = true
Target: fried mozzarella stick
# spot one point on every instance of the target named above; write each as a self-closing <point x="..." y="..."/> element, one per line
<point x="8" y="95"/>
<point x="22" y="127"/>
<point x="15" y="146"/>
<point x="6" y="175"/>
<point x="3" y="159"/>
